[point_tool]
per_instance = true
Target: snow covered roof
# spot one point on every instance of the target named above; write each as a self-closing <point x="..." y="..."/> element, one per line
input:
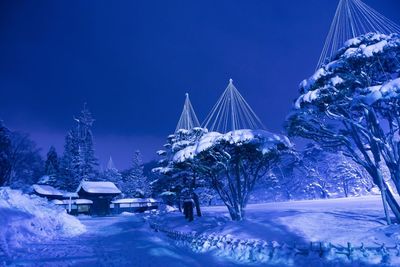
<point x="57" y="202"/>
<point x="46" y="190"/>
<point x="83" y="201"/>
<point x="73" y="201"/>
<point x="151" y="200"/>
<point x="134" y="200"/>
<point x="129" y="200"/>
<point x="70" y="195"/>
<point x="99" y="187"/>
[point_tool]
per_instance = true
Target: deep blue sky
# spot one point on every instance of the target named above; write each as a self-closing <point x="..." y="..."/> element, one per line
<point x="132" y="62"/>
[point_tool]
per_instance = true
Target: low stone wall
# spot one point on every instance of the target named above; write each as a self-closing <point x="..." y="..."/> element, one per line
<point x="280" y="253"/>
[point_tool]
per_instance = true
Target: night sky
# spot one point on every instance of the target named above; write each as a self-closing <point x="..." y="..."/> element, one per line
<point x="133" y="61"/>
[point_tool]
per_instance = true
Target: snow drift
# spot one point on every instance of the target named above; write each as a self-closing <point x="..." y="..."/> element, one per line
<point x="25" y="219"/>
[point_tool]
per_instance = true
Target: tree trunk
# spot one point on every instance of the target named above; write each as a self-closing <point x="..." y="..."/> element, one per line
<point x="197" y="204"/>
<point x="394" y="206"/>
<point x="188" y="209"/>
<point x="387" y="196"/>
<point x="177" y="201"/>
<point x="185" y="210"/>
<point x="345" y="189"/>
<point x="179" y="205"/>
<point x="383" y="194"/>
<point x="237" y="214"/>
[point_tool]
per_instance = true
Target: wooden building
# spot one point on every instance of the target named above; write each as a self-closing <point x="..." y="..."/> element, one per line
<point x="47" y="191"/>
<point x="75" y="206"/>
<point x="133" y="205"/>
<point x="100" y="193"/>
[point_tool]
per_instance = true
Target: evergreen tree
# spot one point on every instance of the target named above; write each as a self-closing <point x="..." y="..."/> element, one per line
<point x="87" y="161"/>
<point x="111" y="174"/>
<point x="69" y="173"/>
<point x="5" y="151"/>
<point x="181" y="180"/>
<point x="136" y="183"/>
<point x="79" y="162"/>
<point x="52" y="167"/>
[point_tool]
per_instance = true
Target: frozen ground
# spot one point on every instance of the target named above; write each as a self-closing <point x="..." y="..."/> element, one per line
<point x="126" y="240"/>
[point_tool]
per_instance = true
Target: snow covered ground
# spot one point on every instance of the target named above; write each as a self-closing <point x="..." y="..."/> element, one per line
<point x="355" y="220"/>
<point x="127" y="240"/>
<point x="112" y="241"/>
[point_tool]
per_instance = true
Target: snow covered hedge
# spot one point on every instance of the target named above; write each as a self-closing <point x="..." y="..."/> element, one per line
<point x="25" y="219"/>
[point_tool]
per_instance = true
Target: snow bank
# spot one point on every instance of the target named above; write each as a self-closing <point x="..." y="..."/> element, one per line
<point x="25" y="219"/>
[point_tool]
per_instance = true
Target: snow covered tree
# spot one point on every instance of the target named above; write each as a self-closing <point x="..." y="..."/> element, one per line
<point x="78" y="161"/>
<point x="5" y="152"/>
<point x="26" y="162"/>
<point x="352" y="103"/>
<point x="111" y="174"/>
<point x="313" y="173"/>
<point x="287" y="180"/>
<point x="51" y="167"/>
<point x="88" y="160"/>
<point x="135" y="182"/>
<point x="180" y="179"/>
<point x="234" y="162"/>
<point x="314" y="165"/>
<point x="69" y="163"/>
<point x="348" y="178"/>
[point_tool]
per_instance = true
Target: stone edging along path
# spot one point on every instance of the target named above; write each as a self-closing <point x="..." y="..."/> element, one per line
<point x="259" y="251"/>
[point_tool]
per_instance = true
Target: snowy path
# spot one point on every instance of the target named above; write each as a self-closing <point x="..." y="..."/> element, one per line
<point x="112" y="241"/>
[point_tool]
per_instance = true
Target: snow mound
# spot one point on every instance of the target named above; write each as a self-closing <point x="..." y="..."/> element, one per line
<point x="25" y="219"/>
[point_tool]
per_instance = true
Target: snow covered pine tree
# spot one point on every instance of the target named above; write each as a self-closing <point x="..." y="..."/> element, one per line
<point x="78" y="161"/>
<point x="52" y="167"/>
<point x="111" y="174"/>
<point x="181" y="179"/>
<point x="352" y="103"/>
<point x="135" y="183"/>
<point x="234" y="162"/>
